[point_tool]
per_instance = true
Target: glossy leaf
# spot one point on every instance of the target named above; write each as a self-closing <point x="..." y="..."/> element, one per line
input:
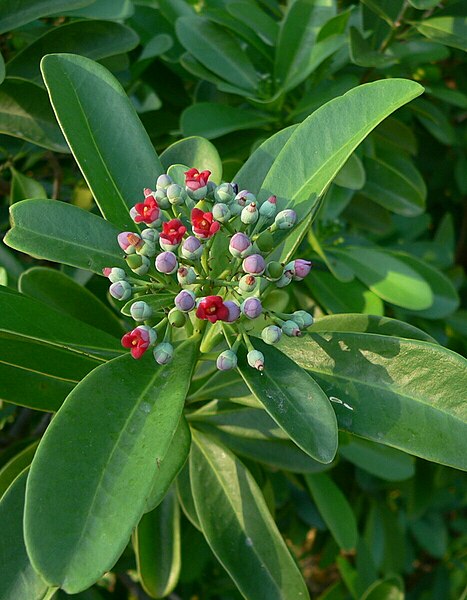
<point x="214" y="120"/>
<point x="238" y="525"/>
<point x="25" y="113"/>
<point x="61" y="292"/>
<point x="14" y="13"/>
<point x="403" y="393"/>
<point x="111" y="147"/>
<point x="157" y="548"/>
<point x="335" y="509"/>
<point x="389" y="278"/>
<point x="23" y="187"/>
<point x="104" y="9"/>
<point x="185" y="496"/>
<point x="451" y="31"/>
<point x="94" y="467"/>
<point x="59" y="232"/>
<point x="94" y="39"/>
<point x="363" y="55"/>
<point x="10" y="471"/>
<point x="264" y="26"/>
<point x="303" y="411"/>
<point x="2" y="68"/>
<point x="217" y="50"/>
<point x="195" y="152"/>
<point x="18" y="580"/>
<point x="352" y="174"/>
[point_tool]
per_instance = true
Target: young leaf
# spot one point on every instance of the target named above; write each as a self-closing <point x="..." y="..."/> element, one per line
<point x="23" y="187"/>
<point x="157" y="548"/>
<point x="94" y="468"/>
<point x="451" y="31"/>
<point x="110" y="145"/>
<point x="302" y="410"/>
<point x="403" y="393"/>
<point x="60" y="232"/>
<point x="196" y="152"/>
<point x="238" y="525"/>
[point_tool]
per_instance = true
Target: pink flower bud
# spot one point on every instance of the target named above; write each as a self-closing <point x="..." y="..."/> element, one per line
<point x="129" y="241"/>
<point x="301" y="269"/>
<point x="185" y="301"/>
<point x="166" y="262"/>
<point x="239" y="245"/>
<point x="254" y="264"/>
<point x="234" y="311"/>
<point x="252" y="307"/>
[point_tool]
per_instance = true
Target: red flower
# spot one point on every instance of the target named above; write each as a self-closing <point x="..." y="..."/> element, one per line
<point x="213" y="309"/>
<point x="195" y="180"/>
<point x="147" y="211"/>
<point x="204" y="225"/>
<point x="173" y="232"/>
<point x="139" y="340"/>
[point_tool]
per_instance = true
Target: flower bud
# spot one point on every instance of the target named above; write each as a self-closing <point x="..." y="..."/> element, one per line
<point x="176" y="194"/>
<point x="285" y="279"/>
<point x="249" y="214"/>
<point x="285" y="219"/>
<point x="138" y="264"/>
<point x="274" y="270"/>
<point x="177" y="318"/>
<point x="211" y="188"/>
<point x="163" y="353"/>
<point x="140" y="310"/>
<point x="291" y="329"/>
<point x="114" y="274"/>
<point x="221" y="212"/>
<point x="186" y="275"/>
<point x="252" y="307"/>
<point x="129" y="241"/>
<point x="272" y="334"/>
<point x="162" y="199"/>
<point x="185" y="300"/>
<point x="269" y="208"/>
<point x="302" y="318"/>
<point x="227" y="360"/>
<point x="163" y="182"/>
<point x="150" y="235"/>
<point x="120" y="290"/>
<point x="234" y="310"/>
<point x="147" y="249"/>
<point x="192" y="248"/>
<point x="166" y="262"/>
<point x="244" y="198"/>
<point x="254" y="264"/>
<point x="247" y="283"/>
<point x="265" y="241"/>
<point x="301" y="268"/>
<point x="239" y="245"/>
<point x="224" y="193"/>
<point x="255" y="359"/>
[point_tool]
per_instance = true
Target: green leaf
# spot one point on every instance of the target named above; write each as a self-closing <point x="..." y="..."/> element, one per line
<point x="170" y="465"/>
<point x="394" y="182"/>
<point x="381" y="461"/>
<point x="423" y="4"/>
<point x="214" y="120"/>
<point x="94" y="39"/>
<point x="23" y="187"/>
<point x="297" y="35"/>
<point x="363" y="55"/>
<point x="94" y="467"/>
<point x="157" y="548"/>
<point x="302" y="410"/>
<point x="32" y="319"/>
<point x="264" y="26"/>
<point x="194" y="67"/>
<point x="335" y="510"/>
<point x="185" y="496"/>
<point x="2" y="68"/>
<point x="18" y="580"/>
<point x="156" y="301"/>
<point x="13" y="467"/>
<point x="25" y="113"/>
<point x="342" y="297"/>
<point x="435" y="121"/>
<point x="445" y="296"/>
<point x="403" y="393"/>
<point x="352" y="175"/>
<point x="61" y="292"/>
<point x="451" y="31"/>
<point x="111" y="147"/>
<point x="40" y="375"/>
<point x="14" y="13"/>
<point x="59" y="232"/>
<point x="384" y="590"/>
<point x="218" y="51"/>
<point x="371" y="324"/>
<point x="389" y="278"/>
<point x="238" y="526"/>
<point x="104" y="9"/>
<point x="195" y="152"/>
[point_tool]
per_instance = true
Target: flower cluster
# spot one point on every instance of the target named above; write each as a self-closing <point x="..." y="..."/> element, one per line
<point x="200" y="256"/>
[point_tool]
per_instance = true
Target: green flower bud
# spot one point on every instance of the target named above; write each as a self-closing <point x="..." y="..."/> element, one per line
<point x="268" y="209"/>
<point x="163" y="182"/>
<point x="274" y="270"/>
<point x="150" y="235"/>
<point x="176" y="194"/>
<point x="285" y="279"/>
<point x="162" y="199"/>
<point x="177" y="318"/>
<point x="138" y="263"/>
<point x="271" y="334"/>
<point x="291" y="328"/>
<point x="285" y="219"/>
<point x="227" y="360"/>
<point x="163" y="353"/>
<point x="247" y="283"/>
<point x="140" y="310"/>
<point x="265" y="241"/>
<point x="255" y="359"/>
<point x="221" y="212"/>
<point x="249" y="214"/>
<point x="224" y="193"/>
<point x="186" y="275"/>
<point x="302" y="318"/>
<point x="147" y="249"/>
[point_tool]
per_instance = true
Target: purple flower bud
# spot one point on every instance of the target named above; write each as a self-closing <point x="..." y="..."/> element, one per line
<point x="140" y="310"/>
<point x="239" y="245"/>
<point x="291" y="329"/>
<point x="254" y="264"/>
<point x="249" y="214"/>
<point x="192" y="248"/>
<point x="234" y="310"/>
<point x="114" y="274"/>
<point x="185" y="300"/>
<point x="129" y="241"/>
<point x="271" y="334"/>
<point x="163" y="353"/>
<point x="245" y="197"/>
<point x="301" y="268"/>
<point x="186" y="275"/>
<point x="252" y="307"/>
<point x="166" y="263"/>
<point x="285" y="219"/>
<point x="120" y="290"/>
<point x="255" y="359"/>
<point x="227" y="360"/>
